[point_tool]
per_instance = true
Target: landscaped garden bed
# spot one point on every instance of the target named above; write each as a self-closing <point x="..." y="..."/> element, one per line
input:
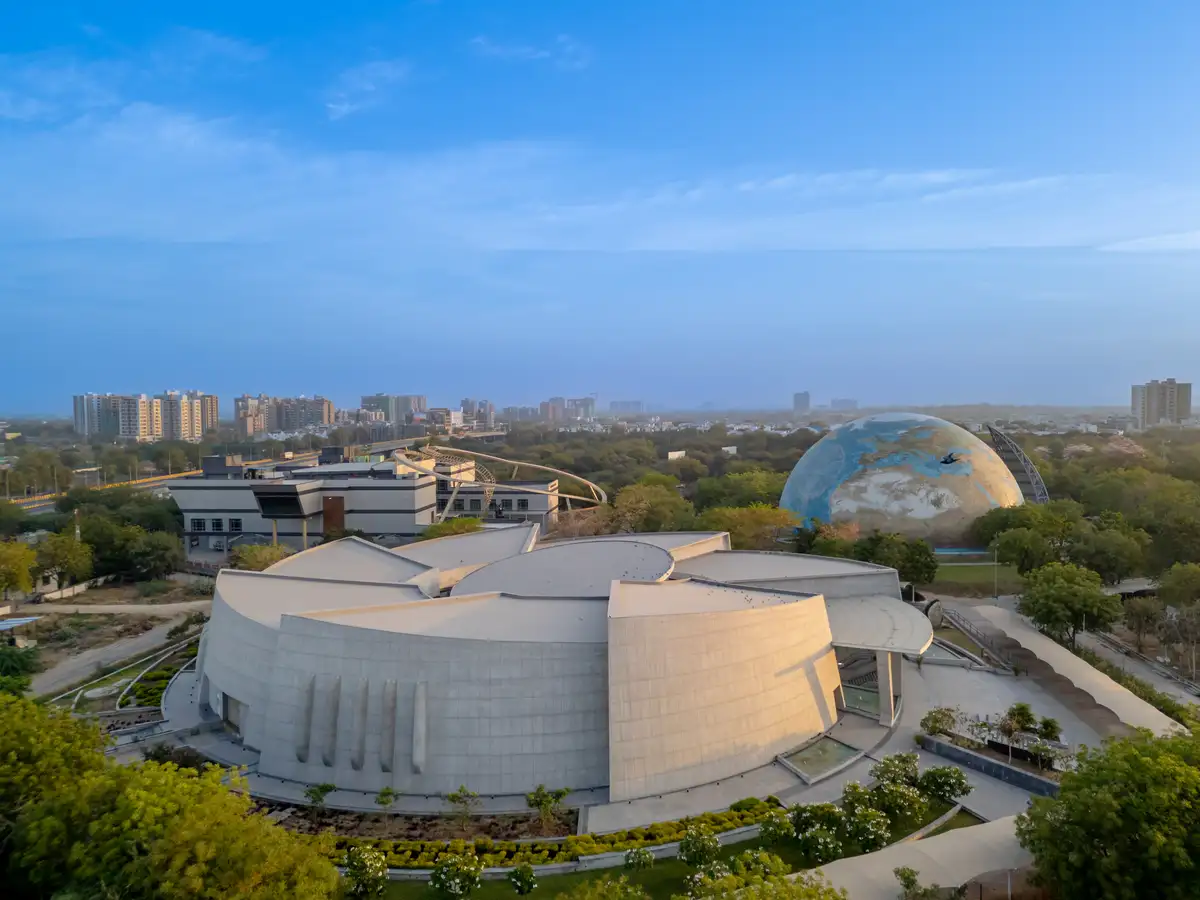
<point x="408" y="831"/>
<point x="900" y="803"/>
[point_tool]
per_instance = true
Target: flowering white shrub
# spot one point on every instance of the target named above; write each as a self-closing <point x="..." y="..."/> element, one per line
<point x="638" y="858"/>
<point x="868" y="828"/>
<point x="776" y="827"/>
<point x="855" y="797"/>
<point x="455" y="877"/>
<point x="751" y="864"/>
<point x="522" y="879"/>
<point x="898" y="768"/>
<point x="820" y="845"/>
<point x="946" y="783"/>
<point x="712" y="879"/>
<point x="899" y="802"/>
<point x="366" y="872"/>
<point x="698" y="847"/>
<point x="816" y="815"/>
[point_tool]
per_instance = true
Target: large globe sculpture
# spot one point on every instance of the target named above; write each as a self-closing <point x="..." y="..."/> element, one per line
<point x="915" y="475"/>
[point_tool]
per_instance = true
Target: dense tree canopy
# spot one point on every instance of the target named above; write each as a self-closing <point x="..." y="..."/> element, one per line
<point x="17" y="561"/>
<point x="1180" y="585"/>
<point x="1063" y="599"/>
<point x="64" y="558"/>
<point x="754" y="527"/>
<point x="460" y="525"/>
<point x="1125" y="824"/>
<point x="75" y="823"/>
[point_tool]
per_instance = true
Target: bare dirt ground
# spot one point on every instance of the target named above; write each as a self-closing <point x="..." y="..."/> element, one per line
<point x="420" y="828"/>
<point x="120" y="594"/>
<point x="62" y="635"/>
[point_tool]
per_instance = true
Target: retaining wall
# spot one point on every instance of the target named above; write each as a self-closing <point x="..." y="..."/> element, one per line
<point x="993" y="768"/>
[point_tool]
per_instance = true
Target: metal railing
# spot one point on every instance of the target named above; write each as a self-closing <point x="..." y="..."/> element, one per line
<point x="1036" y="484"/>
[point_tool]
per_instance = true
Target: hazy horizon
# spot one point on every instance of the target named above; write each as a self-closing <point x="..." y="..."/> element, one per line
<point x="680" y="202"/>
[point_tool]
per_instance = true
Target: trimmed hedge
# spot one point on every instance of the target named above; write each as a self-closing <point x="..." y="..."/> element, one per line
<point x="494" y="854"/>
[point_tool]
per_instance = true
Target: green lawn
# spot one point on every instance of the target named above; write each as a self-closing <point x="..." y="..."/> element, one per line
<point x="962" y="819"/>
<point x="976" y="580"/>
<point x="663" y="880"/>
<point x="956" y="637"/>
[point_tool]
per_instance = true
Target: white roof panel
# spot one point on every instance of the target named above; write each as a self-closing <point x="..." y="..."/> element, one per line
<point x="879" y="623"/>
<point x="758" y="565"/>
<point x="352" y="559"/>
<point x="570" y="569"/>
<point x="686" y="596"/>
<point x="485" y="617"/>
<point x="476" y="549"/>
<point x="265" y="597"/>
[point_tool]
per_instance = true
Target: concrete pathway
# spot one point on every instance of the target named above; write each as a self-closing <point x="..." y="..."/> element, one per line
<point x="1135" y="666"/>
<point x="121" y="609"/>
<point x="78" y="668"/>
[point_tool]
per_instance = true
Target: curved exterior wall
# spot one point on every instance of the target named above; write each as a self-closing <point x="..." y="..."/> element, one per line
<point x="238" y="659"/>
<point x="362" y="709"/>
<point x="694" y="698"/>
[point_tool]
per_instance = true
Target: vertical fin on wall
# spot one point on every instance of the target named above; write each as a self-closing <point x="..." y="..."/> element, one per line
<point x="418" y="733"/>
<point x="304" y="719"/>
<point x="360" y="727"/>
<point x="333" y="699"/>
<point x="387" y="728"/>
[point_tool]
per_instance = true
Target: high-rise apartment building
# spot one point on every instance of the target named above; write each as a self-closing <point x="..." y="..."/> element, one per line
<point x="396" y="408"/>
<point x="801" y="403"/>
<point x="87" y="414"/>
<point x="581" y="408"/>
<point x="1166" y="402"/>
<point x="210" y="411"/>
<point x="139" y="418"/>
<point x="181" y="417"/>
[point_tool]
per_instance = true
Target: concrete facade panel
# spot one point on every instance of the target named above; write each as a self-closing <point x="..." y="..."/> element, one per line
<point x="746" y="685"/>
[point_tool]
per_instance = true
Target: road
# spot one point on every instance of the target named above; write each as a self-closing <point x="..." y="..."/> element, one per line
<point x="121" y="609"/>
<point x="78" y="668"/>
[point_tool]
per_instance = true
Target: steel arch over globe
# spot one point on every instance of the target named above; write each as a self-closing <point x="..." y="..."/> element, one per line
<point x="916" y="475"/>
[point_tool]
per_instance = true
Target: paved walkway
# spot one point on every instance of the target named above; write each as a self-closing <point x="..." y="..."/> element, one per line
<point x="1135" y="666"/>
<point x="78" y="668"/>
<point x="122" y="609"/>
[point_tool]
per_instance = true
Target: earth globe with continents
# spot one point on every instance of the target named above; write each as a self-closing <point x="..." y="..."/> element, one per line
<point x="915" y="475"/>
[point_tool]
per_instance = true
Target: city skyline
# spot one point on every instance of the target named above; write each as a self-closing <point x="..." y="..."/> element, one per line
<point x="887" y="213"/>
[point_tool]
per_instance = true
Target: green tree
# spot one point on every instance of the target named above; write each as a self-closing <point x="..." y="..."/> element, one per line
<point x="43" y="750"/>
<point x="651" y="507"/>
<point x="1063" y="599"/>
<point x="920" y="564"/>
<point x="1113" y="555"/>
<point x="754" y="527"/>
<point x="258" y="557"/>
<point x="315" y="794"/>
<point x="112" y="544"/>
<point x="461" y="525"/>
<point x="546" y="804"/>
<point x="1179" y="586"/>
<point x="1124" y="825"/>
<point x="463" y="802"/>
<point x="1024" y="548"/>
<point x="386" y="797"/>
<point x="1049" y="729"/>
<point x="155" y="831"/>
<point x="17" y="561"/>
<point x="64" y="558"/>
<point x="1143" y="615"/>
<point x="155" y="555"/>
<point x="12" y="518"/>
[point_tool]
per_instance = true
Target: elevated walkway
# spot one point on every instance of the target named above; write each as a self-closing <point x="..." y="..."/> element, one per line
<point x="1029" y="479"/>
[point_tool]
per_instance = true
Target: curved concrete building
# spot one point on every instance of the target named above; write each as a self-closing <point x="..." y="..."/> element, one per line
<point x="636" y="664"/>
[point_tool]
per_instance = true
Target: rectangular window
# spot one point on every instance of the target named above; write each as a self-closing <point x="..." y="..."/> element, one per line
<point x="523" y="504"/>
<point x="235" y="526"/>
<point x="476" y="505"/>
<point x="458" y="505"/>
<point x="442" y="504"/>
<point x="218" y="525"/>
<point x="506" y="504"/>
<point x="197" y="525"/>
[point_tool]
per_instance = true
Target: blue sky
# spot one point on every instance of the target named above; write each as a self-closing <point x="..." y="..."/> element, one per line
<point x="675" y="200"/>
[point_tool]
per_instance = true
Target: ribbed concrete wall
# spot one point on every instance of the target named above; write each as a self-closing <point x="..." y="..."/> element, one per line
<point x="238" y="658"/>
<point x="694" y="698"/>
<point x="501" y="717"/>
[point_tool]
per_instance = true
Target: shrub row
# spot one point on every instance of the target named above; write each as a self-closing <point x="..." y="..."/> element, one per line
<point x="426" y="854"/>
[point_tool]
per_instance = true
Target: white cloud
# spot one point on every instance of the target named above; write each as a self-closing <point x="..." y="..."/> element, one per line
<point x="563" y="52"/>
<point x="364" y="86"/>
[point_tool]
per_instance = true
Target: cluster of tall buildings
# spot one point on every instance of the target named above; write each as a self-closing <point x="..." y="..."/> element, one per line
<point x="170" y="416"/>
<point x="264" y="415"/>
<point x="802" y="404"/>
<point x="1166" y="402"/>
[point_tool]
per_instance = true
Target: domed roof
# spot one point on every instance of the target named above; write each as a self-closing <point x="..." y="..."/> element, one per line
<point x="916" y="475"/>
